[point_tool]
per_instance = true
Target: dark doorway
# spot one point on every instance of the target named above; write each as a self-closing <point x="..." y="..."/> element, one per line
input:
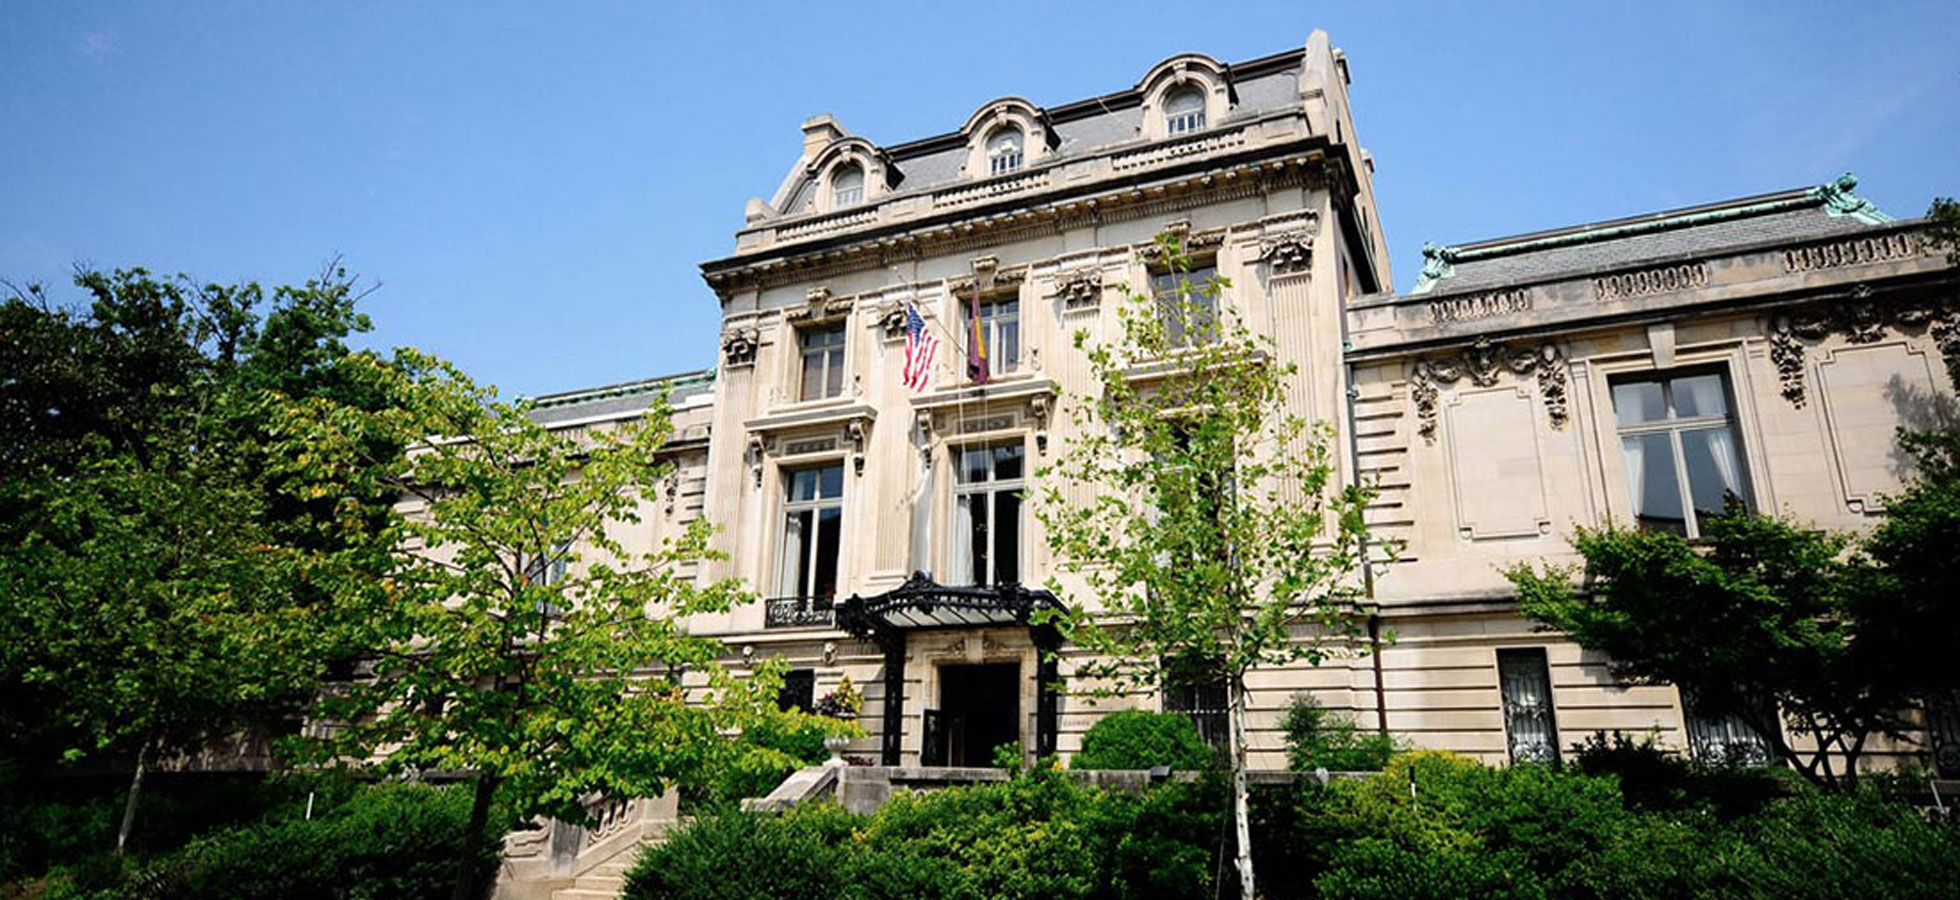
<point x="979" y="709"/>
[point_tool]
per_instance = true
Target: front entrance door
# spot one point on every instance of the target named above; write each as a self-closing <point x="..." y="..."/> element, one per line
<point x="979" y="709"/>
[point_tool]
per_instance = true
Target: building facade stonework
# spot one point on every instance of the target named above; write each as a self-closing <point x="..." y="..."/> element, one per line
<point x="1636" y="371"/>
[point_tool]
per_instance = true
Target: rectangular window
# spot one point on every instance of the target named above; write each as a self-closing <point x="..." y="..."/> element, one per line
<point x="1004" y="161"/>
<point x="1180" y="123"/>
<point x="987" y="514"/>
<point x="1722" y="738"/>
<point x="823" y="362"/>
<point x="1188" y="303"/>
<point x="1200" y="694"/>
<point x="1677" y="437"/>
<point x="1000" y="327"/>
<point x="813" y="531"/>
<point x="799" y="690"/>
<point x="1530" y="727"/>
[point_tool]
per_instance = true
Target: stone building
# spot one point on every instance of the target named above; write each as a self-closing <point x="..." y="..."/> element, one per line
<point x="1637" y="370"/>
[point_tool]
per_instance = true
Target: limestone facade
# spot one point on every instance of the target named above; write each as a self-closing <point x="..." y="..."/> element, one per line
<point x="1764" y="347"/>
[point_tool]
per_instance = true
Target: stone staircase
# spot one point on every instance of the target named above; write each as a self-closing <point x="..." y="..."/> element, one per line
<point x="559" y="861"/>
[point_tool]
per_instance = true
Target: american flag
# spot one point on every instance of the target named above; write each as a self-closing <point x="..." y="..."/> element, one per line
<point x="920" y="348"/>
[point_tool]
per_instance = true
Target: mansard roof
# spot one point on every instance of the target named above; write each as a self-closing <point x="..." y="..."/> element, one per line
<point x="622" y="401"/>
<point x="1258" y="86"/>
<point x="1785" y="216"/>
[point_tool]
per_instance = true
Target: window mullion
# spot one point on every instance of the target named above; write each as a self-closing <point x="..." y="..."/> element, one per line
<point x="1687" y="500"/>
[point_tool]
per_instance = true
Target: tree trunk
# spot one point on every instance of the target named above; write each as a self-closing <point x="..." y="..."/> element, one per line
<point x="486" y="791"/>
<point x="129" y="805"/>
<point x="1241" y="801"/>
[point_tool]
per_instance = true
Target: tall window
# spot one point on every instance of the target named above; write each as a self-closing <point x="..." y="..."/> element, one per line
<point x="798" y="691"/>
<point x="1000" y="327"/>
<point x="987" y="514"/>
<point x="813" y="523"/>
<point x="1188" y="304"/>
<point x="1184" y="110"/>
<point x="1004" y="151"/>
<point x="823" y="361"/>
<point x="1199" y="692"/>
<point x="1530" y="727"/>
<point x="1678" y="440"/>
<point x="847" y="187"/>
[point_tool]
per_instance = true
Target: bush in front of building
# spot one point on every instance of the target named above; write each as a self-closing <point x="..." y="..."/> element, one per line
<point x="1137" y="739"/>
<point x="1320" y="738"/>
<point x="389" y="842"/>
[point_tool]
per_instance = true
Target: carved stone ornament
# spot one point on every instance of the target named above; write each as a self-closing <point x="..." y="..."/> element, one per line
<point x="1080" y="288"/>
<point x="818" y="304"/>
<point x="1038" y="411"/>
<point x="755" y="458"/>
<point x="893" y="323"/>
<point x="1861" y="321"/>
<point x="854" y="432"/>
<point x="670" y="489"/>
<point x="1290" y="251"/>
<point x="1484" y="363"/>
<point x="738" y="348"/>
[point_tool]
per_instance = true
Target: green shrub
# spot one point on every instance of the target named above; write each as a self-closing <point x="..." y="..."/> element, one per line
<point x="1320" y="738"/>
<point x="772" y="751"/>
<point x="733" y="855"/>
<point x="1135" y="739"/>
<point x="390" y="841"/>
<point x="1654" y="778"/>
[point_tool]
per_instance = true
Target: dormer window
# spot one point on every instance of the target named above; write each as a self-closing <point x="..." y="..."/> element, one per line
<point x="1004" y="151"/>
<point x="1184" y="110"/>
<point x="847" y="187"/>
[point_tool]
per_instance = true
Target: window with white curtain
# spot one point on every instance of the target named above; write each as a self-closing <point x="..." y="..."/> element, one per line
<point x="847" y="187"/>
<point x="1184" y="110"/>
<point x="813" y="533"/>
<point x="1004" y="150"/>
<point x="1187" y="302"/>
<point x="987" y="514"/>
<point x="1000" y="327"/>
<point x="1678" y="441"/>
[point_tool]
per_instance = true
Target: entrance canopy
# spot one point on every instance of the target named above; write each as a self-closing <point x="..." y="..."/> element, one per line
<point x="922" y="603"/>
<point x="919" y="604"/>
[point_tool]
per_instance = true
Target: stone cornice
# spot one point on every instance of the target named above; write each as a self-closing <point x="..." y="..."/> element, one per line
<point x="1174" y="186"/>
<point x="1753" y="275"/>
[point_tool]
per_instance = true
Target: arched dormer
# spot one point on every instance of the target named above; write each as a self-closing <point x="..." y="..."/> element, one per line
<point x="850" y="172"/>
<point x="1185" y="94"/>
<point x="995" y="131"/>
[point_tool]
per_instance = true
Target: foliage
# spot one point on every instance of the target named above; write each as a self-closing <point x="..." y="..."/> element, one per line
<point x="1039" y="835"/>
<point x="1319" y="738"/>
<point x="514" y="633"/>
<point x="844" y="701"/>
<point x="1139" y="739"/>
<point x="771" y="749"/>
<point x="1249" y="552"/>
<point x="1768" y="616"/>
<point x="158" y="575"/>
<point x="58" y="823"/>
<point x="390" y="841"/>
<point x="1943" y="229"/>
<point x="1652" y="777"/>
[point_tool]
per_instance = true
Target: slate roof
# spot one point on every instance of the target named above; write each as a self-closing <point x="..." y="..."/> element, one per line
<point x="620" y="400"/>
<point x="1263" y="85"/>
<point x="1782" y="217"/>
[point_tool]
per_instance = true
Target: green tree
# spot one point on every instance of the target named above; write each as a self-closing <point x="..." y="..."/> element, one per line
<point x="1202" y="518"/>
<point x="1765" y="620"/>
<point x="514" y="634"/>
<point x="154" y="575"/>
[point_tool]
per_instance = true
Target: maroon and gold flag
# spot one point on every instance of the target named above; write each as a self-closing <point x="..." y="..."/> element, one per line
<point x="976" y="357"/>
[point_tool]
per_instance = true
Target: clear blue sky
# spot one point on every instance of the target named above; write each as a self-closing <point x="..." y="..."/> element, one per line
<point x="534" y="184"/>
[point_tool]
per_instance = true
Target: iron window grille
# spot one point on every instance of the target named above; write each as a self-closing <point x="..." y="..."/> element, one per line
<point x="1530" y="719"/>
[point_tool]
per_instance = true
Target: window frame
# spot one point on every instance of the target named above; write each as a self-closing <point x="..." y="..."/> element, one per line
<point x="837" y="353"/>
<point x="960" y="563"/>
<point x="1166" y="283"/>
<point x="991" y="327"/>
<point x="1537" y="658"/>
<point x="838" y="198"/>
<point x="1005" y="161"/>
<point x="786" y="587"/>
<point x="1673" y="427"/>
<point x="1189" y="121"/>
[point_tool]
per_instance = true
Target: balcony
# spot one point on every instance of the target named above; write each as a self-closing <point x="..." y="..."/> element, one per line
<point x="796" y="612"/>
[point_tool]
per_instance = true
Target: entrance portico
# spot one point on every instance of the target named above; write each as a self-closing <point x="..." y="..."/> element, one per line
<point x="971" y="671"/>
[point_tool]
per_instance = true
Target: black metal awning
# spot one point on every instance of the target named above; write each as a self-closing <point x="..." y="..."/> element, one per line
<point x="923" y="603"/>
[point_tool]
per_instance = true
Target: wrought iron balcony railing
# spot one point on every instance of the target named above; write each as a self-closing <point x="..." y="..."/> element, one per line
<point x="796" y="612"/>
